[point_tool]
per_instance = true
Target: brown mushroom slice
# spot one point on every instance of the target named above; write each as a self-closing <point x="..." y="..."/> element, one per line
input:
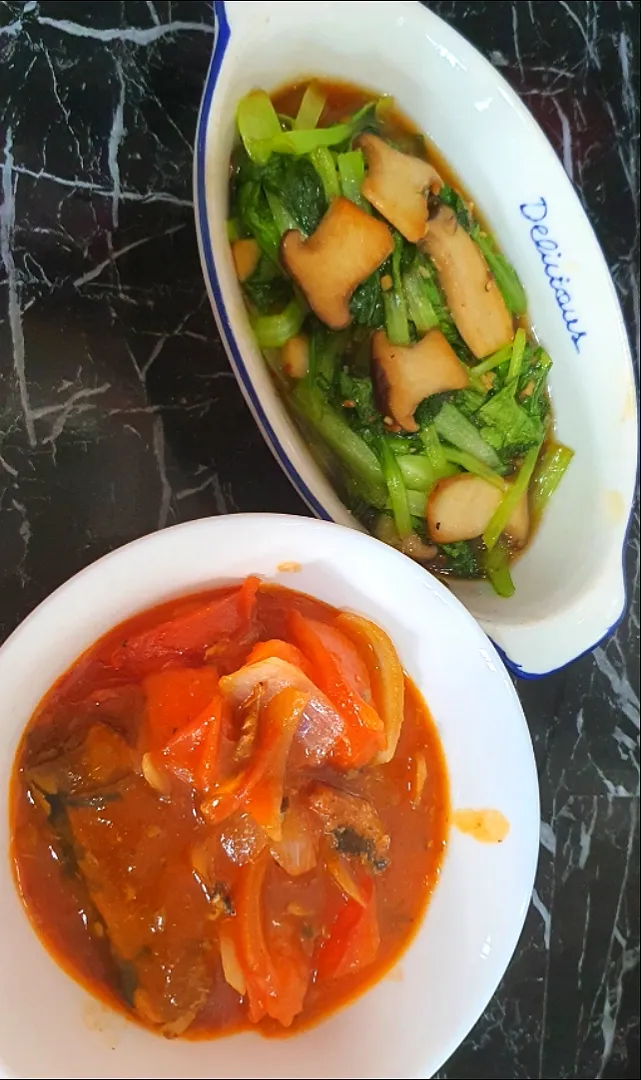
<point x="397" y="185"/>
<point x="403" y="376"/>
<point x="477" y="307"/>
<point x="245" y="254"/>
<point x="346" y="248"/>
<point x="461" y="507"/>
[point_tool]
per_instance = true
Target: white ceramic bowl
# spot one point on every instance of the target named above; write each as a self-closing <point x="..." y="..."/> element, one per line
<point x="569" y="585"/>
<point x="408" y="1024"/>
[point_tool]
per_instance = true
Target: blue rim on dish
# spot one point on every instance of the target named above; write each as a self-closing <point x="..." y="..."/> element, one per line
<point x="222" y="38"/>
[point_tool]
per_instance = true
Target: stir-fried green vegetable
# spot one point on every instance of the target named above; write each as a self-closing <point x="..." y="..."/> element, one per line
<point x="424" y="399"/>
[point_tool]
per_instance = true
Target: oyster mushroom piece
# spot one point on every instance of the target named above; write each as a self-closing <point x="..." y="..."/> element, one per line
<point x="461" y="507"/>
<point x="346" y="248"/>
<point x="472" y="295"/>
<point x="397" y="185"/>
<point x="403" y="376"/>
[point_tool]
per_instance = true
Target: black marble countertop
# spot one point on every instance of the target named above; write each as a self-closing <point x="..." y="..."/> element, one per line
<point x="119" y="415"/>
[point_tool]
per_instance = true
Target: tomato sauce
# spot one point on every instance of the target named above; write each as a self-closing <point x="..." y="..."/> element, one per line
<point x="135" y="854"/>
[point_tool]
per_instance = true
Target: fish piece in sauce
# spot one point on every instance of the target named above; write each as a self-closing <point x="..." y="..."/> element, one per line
<point x="155" y="913"/>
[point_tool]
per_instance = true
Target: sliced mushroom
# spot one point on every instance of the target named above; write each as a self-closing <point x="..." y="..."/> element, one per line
<point x="397" y="185"/>
<point x="477" y="307"/>
<point x="461" y="507"/>
<point x="346" y="248"/>
<point x="245" y="254"/>
<point x="294" y="357"/>
<point x="403" y="376"/>
<point x="411" y="545"/>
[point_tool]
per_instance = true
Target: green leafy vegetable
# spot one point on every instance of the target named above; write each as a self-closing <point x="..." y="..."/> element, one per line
<point x="501" y="356"/>
<point x="311" y="107"/>
<point x="462" y="560"/>
<point x="361" y="410"/>
<point x="456" y="203"/>
<point x="508" y="426"/>
<point x="419" y="474"/>
<point x="297" y="185"/>
<point x="511" y="499"/>
<point x="326" y="349"/>
<point x="551" y="469"/>
<point x="496" y="564"/>
<point x="416" y="504"/>
<point x="257" y="123"/>
<point x="396" y="489"/>
<point x="504" y="273"/>
<point x="272" y="331"/>
<point x="461" y="432"/>
<point x="354" y="454"/>
<point x="516" y="359"/>
<point x="366" y="305"/>
<point x="351" y="172"/>
<point x="434" y="451"/>
<point x="323" y="161"/>
<point x="419" y="303"/>
<point x="267" y="288"/>
<point x="396" y="323"/>
<point x="234" y="230"/>
<point x="472" y="464"/>
<point x="305" y="141"/>
<point x="257" y="218"/>
<point x="284" y="220"/>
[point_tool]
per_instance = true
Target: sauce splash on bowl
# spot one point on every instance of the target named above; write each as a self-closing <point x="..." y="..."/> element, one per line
<point x="486" y="826"/>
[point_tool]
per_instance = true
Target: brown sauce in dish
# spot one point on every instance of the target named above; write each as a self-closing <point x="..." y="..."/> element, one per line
<point x="132" y="888"/>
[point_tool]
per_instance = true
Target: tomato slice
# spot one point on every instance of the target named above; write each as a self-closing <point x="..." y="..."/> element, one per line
<point x="207" y="771"/>
<point x="175" y="698"/>
<point x="189" y="635"/>
<point x="364" y="734"/>
<point x="354" y="937"/>
<point x="276" y="972"/>
<point x="259" y="788"/>
<point x="283" y="650"/>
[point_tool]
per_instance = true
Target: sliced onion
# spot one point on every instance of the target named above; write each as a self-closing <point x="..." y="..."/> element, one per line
<point x="297" y="850"/>
<point x="386" y="673"/>
<point x="157" y="780"/>
<point x="344" y="878"/>
<point x="232" y="970"/>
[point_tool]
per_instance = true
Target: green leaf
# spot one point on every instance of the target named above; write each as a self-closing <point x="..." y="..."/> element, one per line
<point x="511" y="427"/>
<point x="272" y="331"/>
<point x="258" y="123"/>
<point x="267" y="289"/>
<point x="510" y="500"/>
<point x="311" y="107"/>
<point x="462" y="560"/>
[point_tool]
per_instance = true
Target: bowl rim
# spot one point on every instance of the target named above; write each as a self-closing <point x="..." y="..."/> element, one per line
<point x="242" y="373"/>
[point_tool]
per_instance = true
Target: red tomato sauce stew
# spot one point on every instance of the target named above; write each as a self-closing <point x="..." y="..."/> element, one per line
<point x="231" y="811"/>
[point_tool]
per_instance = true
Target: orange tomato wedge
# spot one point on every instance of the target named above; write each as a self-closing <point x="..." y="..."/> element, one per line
<point x="364" y="734"/>
<point x="189" y="635"/>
